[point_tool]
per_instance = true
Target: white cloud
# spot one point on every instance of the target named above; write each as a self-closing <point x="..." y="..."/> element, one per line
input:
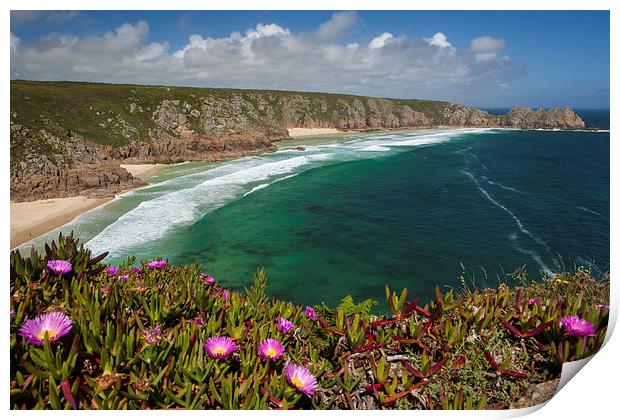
<point x="336" y="26"/>
<point x="380" y="41"/>
<point x="486" y="48"/>
<point x="270" y="56"/>
<point x="438" y="40"/>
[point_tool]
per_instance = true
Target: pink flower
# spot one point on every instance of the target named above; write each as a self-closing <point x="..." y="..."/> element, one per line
<point x="208" y="280"/>
<point x="576" y="326"/>
<point x="55" y="324"/>
<point x="112" y="271"/>
<point x="532" y="301"/>
<point x="310" y="313"/>
<point x="284" y="325"/>
<point x="153" y="335"/>
<point x="59" y="267"/>
<point x="123" y="277"/>
<point x="301" y="378"/>
<point x="270" y="349"/>
<point x="152" y="265"/>
<point x="137" y="271"/>
<point x="219" y="347"/>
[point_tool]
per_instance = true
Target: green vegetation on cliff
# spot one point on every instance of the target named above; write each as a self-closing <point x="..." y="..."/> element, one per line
<point x="161" y="336"/>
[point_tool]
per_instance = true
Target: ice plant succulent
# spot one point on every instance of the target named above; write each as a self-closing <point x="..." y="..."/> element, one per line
<point x="310" y="313"/>
<point x="123" y="277"/>
<point x="270" y="349"/>
<point x="112" y="271"/>
<point x="137" y="270"/>
<point x="152" y="265"/>
<point x="208" y="280"/>
<point x="284" y="325"/>
<point x="301" y="378"/>
<point x="153" y="335"/>
<point x="59" y="267"/>
<point x="55" y="324"/>
<point x="576" y="326"/>
<point x="219" y="347"/>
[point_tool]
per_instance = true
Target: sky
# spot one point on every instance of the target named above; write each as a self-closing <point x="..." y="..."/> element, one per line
<point x="478" y="58"/>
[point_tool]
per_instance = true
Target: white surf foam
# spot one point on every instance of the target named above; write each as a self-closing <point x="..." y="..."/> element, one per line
<point x="152" y="219"/>
<point x="375" y="149"/>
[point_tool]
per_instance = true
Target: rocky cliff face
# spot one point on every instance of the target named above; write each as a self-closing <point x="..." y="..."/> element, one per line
<point x="69" y="138"/>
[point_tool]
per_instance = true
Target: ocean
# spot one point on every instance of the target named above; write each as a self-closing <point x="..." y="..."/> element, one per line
<point x="350" y="214"/>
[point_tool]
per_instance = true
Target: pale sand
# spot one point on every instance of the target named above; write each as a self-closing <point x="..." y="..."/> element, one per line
<point x="145" y="170"/>
<point x="34" y="218"/>
<point x="303" y="132"/>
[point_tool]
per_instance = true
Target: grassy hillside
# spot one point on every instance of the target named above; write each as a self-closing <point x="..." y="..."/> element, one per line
<point x="94" y="109"/>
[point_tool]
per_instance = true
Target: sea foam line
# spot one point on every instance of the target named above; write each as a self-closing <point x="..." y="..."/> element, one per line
<point x="501" y="206"/>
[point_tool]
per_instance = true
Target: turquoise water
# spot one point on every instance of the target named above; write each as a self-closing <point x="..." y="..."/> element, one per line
<point x="347" y="217"/>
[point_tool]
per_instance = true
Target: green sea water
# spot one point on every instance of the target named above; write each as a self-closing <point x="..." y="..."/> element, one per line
<point x="358" y="212"/>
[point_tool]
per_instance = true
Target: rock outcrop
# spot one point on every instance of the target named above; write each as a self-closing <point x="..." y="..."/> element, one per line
<point x="69" y="138"/>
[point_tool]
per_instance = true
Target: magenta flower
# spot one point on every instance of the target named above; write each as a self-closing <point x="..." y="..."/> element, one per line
<point x="223" y="293"/>
<point x="574" y="325"/>
<point x="198" y="321"/>
<point x="137" y="271"/>
<point x="208" y="280"/>
<point x="152" y="265"/>
<point x="301" y="378"/>
<point x="310" y="313"/>
<point x="112" y="271"/>
<point x="59" y="267"/>
<point x="12" y="313"/>
<point x="219" y="347"/>
<point x="55" y="324"/>
<point x="270" y="349"/>
<point x="605" y="307"/>
<point x="532" y="301"/>
<point x="123" y="277"/>
<point x="284" y="325"/>
<point x="153" y="335"/>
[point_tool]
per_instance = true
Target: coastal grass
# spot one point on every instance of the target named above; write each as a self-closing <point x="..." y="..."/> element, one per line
<point x="99" y="111"/>
<point x="138" y="341"/>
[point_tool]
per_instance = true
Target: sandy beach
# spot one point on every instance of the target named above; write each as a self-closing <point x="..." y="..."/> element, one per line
<point x="34" y="218"/>
<point x="304" y="132"/>
<point x="144" y="171"/>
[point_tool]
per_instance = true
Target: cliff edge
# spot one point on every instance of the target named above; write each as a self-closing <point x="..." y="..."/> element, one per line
<point x="69" y="138"/>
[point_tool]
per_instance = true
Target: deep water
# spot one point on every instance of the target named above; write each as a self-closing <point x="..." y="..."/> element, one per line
<point x="404" y="209"/>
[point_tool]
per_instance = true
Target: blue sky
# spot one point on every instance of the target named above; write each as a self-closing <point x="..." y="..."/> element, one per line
<point x="533" y="58"/>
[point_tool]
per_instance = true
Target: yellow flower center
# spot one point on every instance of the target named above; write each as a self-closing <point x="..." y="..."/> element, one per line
<point x="271" y="352"/>
<point x="296" y="382"/>
<point x="50" y="334"/>
<point x="219" y="350"/>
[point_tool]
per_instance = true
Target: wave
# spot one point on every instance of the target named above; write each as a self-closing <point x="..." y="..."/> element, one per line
<point x="153" y="219"/>
<point x="376" y="149"/>
<point x="522" y="228"/>
<point x="265" y="185"/>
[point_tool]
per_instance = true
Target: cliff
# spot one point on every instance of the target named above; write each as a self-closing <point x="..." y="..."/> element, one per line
<point x="69" y="138"/>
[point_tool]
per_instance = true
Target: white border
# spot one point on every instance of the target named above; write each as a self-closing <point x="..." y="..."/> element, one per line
<point x="591" y="394"/>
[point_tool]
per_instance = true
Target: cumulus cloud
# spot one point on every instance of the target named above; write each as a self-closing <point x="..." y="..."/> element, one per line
<point x="439" y="40"/>
<point x="270" y="56"/>
<point x="336" y="26"/>
<point x="380" y="41"/>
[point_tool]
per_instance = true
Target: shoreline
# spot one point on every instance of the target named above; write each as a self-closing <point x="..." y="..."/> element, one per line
<point x="31" y="219"/>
